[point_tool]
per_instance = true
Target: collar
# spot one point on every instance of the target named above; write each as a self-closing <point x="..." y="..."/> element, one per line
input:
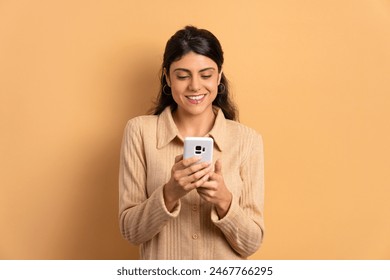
<point x="167" y="130"/>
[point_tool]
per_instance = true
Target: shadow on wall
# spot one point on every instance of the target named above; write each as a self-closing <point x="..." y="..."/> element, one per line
<point x="132" y="90"/>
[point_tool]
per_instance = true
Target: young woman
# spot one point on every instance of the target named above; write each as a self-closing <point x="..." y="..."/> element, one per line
<point x="177" y="208"/>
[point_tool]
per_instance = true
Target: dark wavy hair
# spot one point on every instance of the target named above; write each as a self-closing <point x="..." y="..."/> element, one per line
<point x="199" y="41"/>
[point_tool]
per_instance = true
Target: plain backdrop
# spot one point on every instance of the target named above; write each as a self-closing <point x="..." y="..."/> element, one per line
<point x="311" y="76"/>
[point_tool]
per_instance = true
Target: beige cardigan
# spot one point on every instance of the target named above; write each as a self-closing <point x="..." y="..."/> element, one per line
<point x="192" y="230"/>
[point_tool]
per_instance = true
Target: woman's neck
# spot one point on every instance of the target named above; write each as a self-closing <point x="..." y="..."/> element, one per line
<point x="194" y="125"/>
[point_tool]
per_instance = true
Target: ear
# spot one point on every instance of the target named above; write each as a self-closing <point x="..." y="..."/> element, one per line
<point x="219" y="77"/>
<point x="167" y="77"/>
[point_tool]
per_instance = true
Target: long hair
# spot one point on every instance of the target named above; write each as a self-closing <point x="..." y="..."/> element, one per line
<point x="199" y="41"/>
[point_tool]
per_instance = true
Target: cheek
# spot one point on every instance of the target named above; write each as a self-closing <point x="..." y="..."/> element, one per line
<point x="212" y="86"/>
<point x="177" y="89"/>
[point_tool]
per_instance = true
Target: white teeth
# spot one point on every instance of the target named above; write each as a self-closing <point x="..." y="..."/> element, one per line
<point x="196" y="97"/>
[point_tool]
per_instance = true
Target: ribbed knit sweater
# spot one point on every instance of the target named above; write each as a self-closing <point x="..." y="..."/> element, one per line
<point x="193" y="229"/>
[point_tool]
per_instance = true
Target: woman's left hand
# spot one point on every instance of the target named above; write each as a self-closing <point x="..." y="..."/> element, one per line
<point x="216" y="192"/>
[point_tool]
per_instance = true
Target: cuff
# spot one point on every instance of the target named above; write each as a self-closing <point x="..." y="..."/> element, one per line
<point x="231" y="215"/>
<point x="159" y="197"/>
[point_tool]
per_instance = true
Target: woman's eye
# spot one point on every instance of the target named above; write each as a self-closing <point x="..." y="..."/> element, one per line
<point x="182" y="77"/>
<point x="206" y="76"/>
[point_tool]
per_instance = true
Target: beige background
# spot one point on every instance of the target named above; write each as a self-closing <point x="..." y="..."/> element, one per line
<point x="311" y="76"/>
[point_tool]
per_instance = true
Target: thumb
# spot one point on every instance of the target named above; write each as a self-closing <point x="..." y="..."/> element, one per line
<point x="178" y="158"/>
<point x="218" y="167"/>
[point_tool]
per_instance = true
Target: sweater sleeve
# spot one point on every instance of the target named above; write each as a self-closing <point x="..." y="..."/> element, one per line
<point x="141" y="217"/>
<point x="243" y="225"/>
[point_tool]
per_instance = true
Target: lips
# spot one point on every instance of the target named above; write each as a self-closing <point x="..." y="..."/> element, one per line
<point x="195" y="99"/>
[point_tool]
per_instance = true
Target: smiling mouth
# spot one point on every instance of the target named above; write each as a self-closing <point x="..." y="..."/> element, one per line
<point x="196" y="99"/>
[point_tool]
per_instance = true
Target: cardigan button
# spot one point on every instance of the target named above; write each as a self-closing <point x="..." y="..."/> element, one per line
<point x="194" y="207"/>
<point x="195" y="236"/>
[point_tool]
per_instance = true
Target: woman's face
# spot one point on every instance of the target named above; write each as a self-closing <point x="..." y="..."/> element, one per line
<point x="194" y="83"/>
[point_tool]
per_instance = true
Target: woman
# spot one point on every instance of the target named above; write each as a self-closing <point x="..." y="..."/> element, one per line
<point x="179" y="208"/>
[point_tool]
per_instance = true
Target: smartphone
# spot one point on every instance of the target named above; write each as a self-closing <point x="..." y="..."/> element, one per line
<point x="199" y="146"/>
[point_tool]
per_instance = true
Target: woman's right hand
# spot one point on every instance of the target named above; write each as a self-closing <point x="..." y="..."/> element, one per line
<point x="186" y="175"/>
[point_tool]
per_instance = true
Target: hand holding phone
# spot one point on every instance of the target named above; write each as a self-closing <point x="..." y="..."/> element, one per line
<point x="188" y="173"/>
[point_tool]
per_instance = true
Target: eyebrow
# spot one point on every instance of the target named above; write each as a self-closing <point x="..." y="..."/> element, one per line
<point x="186" y="70"/>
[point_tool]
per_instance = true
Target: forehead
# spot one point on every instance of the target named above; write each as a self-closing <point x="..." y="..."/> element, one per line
<point x="193" y="62"/>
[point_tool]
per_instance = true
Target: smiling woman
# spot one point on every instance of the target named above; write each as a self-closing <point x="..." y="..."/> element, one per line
<point x="192" y="41"/>
<point x="192" y="209"/>
<point x="194" y="83"/>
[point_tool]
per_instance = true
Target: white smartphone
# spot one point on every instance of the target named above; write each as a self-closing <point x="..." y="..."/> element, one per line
<point x="199" y="146"/>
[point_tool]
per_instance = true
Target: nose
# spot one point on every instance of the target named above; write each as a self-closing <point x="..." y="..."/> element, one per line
<point x="194" y="85"/>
